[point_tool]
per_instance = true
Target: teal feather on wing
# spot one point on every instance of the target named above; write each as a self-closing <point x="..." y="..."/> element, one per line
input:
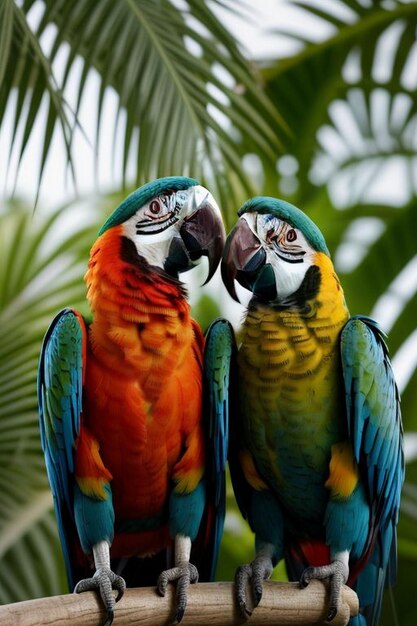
<point x="219" y="355"/>
<point x="60" y="381"/>
<point x="374" y="426"/>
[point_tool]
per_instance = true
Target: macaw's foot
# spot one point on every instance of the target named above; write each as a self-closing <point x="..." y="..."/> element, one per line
<point x="104" y="580"/>
<point x="337" y="574"/>
<point x="185" y="573"/>
<point x="259" y="570"/>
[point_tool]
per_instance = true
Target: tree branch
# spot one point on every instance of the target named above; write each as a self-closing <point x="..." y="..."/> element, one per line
<point x="282" y="604"/>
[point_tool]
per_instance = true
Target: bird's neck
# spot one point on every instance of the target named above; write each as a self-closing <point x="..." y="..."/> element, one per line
<point x="320" y="299"/>
<point x="138" y="310"/>
<point x="303" y="335"/>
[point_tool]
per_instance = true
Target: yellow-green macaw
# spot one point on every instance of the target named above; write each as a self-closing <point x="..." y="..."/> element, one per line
<point x="317" y="461"/>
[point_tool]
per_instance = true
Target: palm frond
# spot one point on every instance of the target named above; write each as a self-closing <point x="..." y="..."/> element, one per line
<point x="32" y="563"/>
<point x="40" y="272"/>
<point x="189" y="98"/>
<point x="342" y="74"/>
<point x="26" y="80"/>
<point x="378" y="286"/>
<point x="396" y="246"/>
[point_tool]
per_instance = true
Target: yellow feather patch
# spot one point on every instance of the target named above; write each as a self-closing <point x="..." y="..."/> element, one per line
<point x="92" y="487"/>
<point x="188" y="482"/>
<point x="249" y="470"/>
<point x="344" y="472"/>
<point x="90" y="473"/>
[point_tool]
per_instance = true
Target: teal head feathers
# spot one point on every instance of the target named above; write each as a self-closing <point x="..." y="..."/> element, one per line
<point x="143" y="195"/>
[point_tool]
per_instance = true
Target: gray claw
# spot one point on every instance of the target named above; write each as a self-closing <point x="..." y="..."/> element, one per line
<point x="331" y="614"/>
<point x="109" y="618"/>
<point x="179" y="614"/>
<point x="306" y="577"/>
<point x="242" y="576"/>
<point x="186" y="574"/>
<point x="337" y="574"/>
<point x="259" y="570"/>
<point x="104" y="580"/>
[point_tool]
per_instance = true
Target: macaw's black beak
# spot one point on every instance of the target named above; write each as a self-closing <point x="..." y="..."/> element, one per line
<point x="203" y="231"/>
<point x="244" y="260"/>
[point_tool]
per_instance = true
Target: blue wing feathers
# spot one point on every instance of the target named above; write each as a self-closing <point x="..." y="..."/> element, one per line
<point x="374" y="426"/>
<point x="370" y="438"/>
<point x="60" y="406"/>
<point x="218" y="359"/>
<point x="374" y="420"/>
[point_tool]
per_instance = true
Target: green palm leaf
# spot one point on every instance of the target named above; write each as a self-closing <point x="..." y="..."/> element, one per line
<point x="308" y="85"/>
<point x="371" y="280"/>
<point x="188" y="98"/>
<point x="26" y="79"/>
<point x="41" y="270"/>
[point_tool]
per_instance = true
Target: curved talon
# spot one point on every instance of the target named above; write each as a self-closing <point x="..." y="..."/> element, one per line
<point x="306" y="577"/>
<point x="337" y="574"/>
<point x="104" y="580"/>
<point x="109" y="618"/>
<point x="242" y="577"/>
<point x="331" y="615"/>
<point x="165" y="577"/>
<point x="185" y="573"/>
<point x="120" y="592"/>
<point x="259" y="570"/>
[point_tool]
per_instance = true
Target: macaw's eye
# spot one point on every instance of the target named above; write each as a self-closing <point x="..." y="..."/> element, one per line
<point x="291" y="235"/>
<point x="155" y="207"/>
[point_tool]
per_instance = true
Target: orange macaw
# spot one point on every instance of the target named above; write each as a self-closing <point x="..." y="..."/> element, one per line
<point x="127" y="450"/>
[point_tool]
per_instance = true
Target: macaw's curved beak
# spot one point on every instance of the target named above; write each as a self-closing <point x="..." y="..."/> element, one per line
<point x="203" y="231"/>
<point x="244" y="260"/>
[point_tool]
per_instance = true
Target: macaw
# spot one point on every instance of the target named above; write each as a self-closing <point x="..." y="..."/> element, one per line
<point x="316" y="442"/>
<point x="136" y="469"/>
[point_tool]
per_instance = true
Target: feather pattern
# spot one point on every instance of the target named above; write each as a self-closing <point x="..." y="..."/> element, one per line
<point x="60" y="380"/>
<point x="145" y="358"/>
<point x="287" y="363"/>
<point x="219" y="355"/>
<point x="374" y="425"/>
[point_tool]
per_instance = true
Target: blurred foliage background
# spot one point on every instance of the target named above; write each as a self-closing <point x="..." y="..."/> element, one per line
<point x="330" y="126"/>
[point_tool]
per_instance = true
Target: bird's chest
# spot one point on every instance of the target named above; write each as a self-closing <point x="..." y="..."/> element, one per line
<point x="134" y="385"/>
<point x="135" y="409"/>
<point x="133" y="430"/>
<point x="293" y="364"/>
<point x="291" y="401"/>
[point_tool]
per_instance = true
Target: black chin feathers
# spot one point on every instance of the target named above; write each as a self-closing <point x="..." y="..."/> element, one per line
<point x="129" y="254"/>
<point x="308" y="289"/>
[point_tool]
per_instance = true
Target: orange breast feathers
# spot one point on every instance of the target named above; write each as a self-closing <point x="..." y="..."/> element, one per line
<point x="141" y="315"/>
<point x="143" y="380"/>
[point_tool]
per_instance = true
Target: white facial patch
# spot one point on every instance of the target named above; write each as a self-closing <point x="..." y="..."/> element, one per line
<point x="153" y="247"/>
<point x="286" y="248"/>
<point x="155" y="224"/>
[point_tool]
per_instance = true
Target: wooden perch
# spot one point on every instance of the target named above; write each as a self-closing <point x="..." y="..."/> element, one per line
<point x="282" y="604"/>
